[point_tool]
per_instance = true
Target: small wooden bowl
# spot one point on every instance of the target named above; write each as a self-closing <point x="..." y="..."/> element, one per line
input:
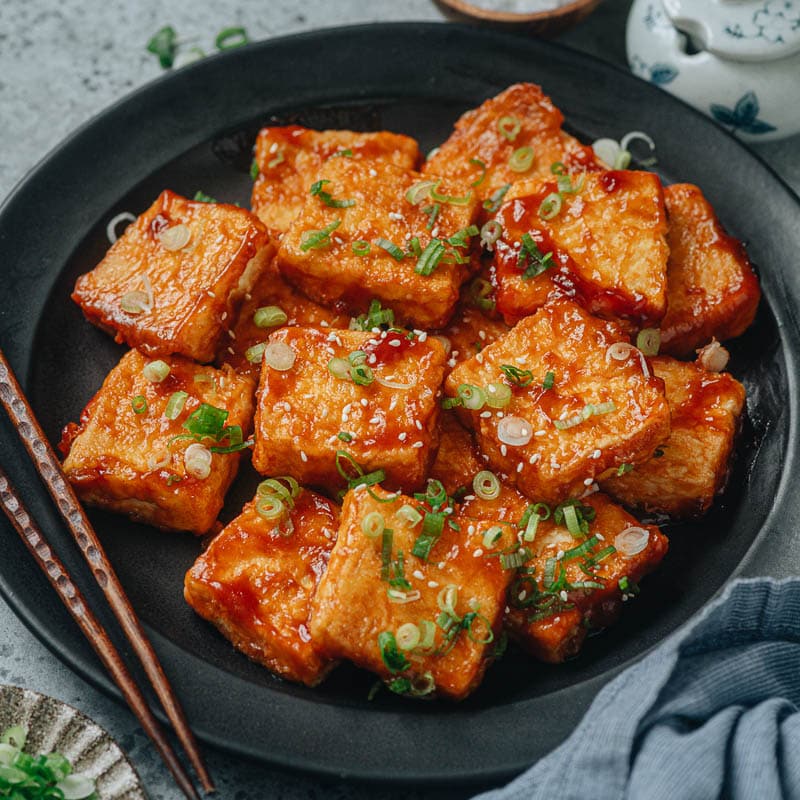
<point x="547" y="23"/>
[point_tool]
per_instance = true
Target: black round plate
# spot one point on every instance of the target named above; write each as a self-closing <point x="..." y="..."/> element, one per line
<point x="193" y="130"/>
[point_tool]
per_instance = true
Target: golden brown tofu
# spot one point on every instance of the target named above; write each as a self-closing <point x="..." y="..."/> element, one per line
<point x="387" y="420"/>
<point x="271" y="292"/>
<point x="575" y="583"/>
<point x="124" y="455"/>
<point x="711" y="289"/>
<point x="582" y="401"/>
<point x="469" y="331"/>
<point x="256" y="579"/>
<point x="382" y="607"/>
<point x="691" y="467"/>
<point x="289" y="158"/>
<point x="174" y="281"/>
<point x="605" y="249"/>
<point x="341" y="256"/>
<point x="487" y="137"/>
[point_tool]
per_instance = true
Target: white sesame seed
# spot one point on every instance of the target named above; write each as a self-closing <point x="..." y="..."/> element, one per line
<point x="231" y="351"/>
<point x="418" y="444"/>
<point x="600" y="537"/>
<point x="435" y="231"/>
<point x="534" y="458"/>
<point x="323" y="323"/>
<point x="486" y="414"/>
<point x="441" y="565"/>
<point x="469" y="496"/>
<point x="478" y="553"/>
<point x="479" y="358"/>
<point x="423" y="336"/>
<point x="520" y="466"/>
<point x="210" y="293"/>
<point x="482" y="335"/>
<point x="394" y="215"/>
<point x="303" y="456"/>
<point x="503" y="450"/>
<point x="273" y="147"/>
<point x="402" y="436"/>
<point x="596" y="454"/>
<point x="563" y="595"/>
<point x="557" y="620"/>
<point x="540" y="433"/>
<point x="624" y="598"/>
<point x="588" y="482"/>
<point x="224" y="316"/>
<point x="372" y="358"/>
<point x="499" y="414"/>
<point x="418" y="575"/>
<point x="231" y="334"/>
<point x="559" y="555"/>
<point x="248" y="296"/>
<point x="522" y="595"/>
<point x="433" y="584"/>
<point x="451" y="362"/>
<point x="418" y="424"/>
<point x="364" y="402"/>
<point x="375" y="420"/>
<point x="394" y="343"/>
<point x="373" y="173"/>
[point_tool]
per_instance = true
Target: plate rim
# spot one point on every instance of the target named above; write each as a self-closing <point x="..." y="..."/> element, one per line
<point x="93" y="674"/>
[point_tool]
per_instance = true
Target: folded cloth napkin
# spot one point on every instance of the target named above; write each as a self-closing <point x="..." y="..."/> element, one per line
<point x="710" y="713"/>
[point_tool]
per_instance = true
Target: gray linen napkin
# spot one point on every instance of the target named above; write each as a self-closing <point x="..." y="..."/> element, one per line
<point x="711" y="713"/>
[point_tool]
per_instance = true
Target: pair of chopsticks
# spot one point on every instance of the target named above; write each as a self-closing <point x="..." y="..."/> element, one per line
<point x="49" y="468"/>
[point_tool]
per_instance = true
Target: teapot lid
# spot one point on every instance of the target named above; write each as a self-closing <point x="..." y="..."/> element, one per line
<point x="743" y="30"/>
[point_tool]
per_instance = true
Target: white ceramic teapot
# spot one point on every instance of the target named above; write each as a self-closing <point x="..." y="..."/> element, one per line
<point x="736" y="60"/>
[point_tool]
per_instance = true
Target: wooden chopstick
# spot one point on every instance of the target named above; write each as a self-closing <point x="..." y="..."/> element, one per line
<point x="76" y="604"/>
<point x="49" y="468"/>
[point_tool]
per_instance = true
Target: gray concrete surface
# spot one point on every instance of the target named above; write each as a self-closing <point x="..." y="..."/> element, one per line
<point x="61" y="63"/>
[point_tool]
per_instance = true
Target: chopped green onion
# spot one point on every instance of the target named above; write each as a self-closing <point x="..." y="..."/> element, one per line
<point x="318" y="191"/>
<point x="486" y="485"/>
<point x="534" y="518"/>
<point x="498" y="395"/>
<point x="515" y="560"/>
<point x="589" y="410"/>
<point x="582" y="549"/>
<point x="478" y="294"/>
<point x="433" y="212"/>
<point x="432" y="527"/>
<point x="478" y="163"/>
<point x="510" y="127"/>
<point x="496" y="198"/>
<point x="649" y="341"/>
<point x="372" y="526"/>
<point x="447" y="600"/>
<point x="602" y="555"/>
<point x="517" y="376"/>
<point x="558" y="168"/>
<point x="550" y="206"/>
<point x="175" y="405"/>
<point x="408" y="514"/>
<point x="344" y="436"/>
<point x="278" y="158"/>
<point x="624" y="583"/>
<point x="451" y="200"/>
<point x="565" y="185"/>
<point x="253" y="169"/>
<point x="164" y="44"/>
<point x="435" y="493"/>
<point x="531" y="258"/>
<point x="375" y="317"/>
<point x="472" y="397"/>
<point x="492" y="536"/>
<point x="571" y="521"/>
<point x="391" y="248"/>
<point x="255" y="353"/>
<point x="269" y="317"/>
<point x="419" y="191"/>
<point x="408" y="636"/>
<point x="139" y="404"/>
<point x="228" y="38"/>
<point x="622" y="160"/>
<point x="206" y="420"/>
<point x="315" y="240"/>
<point x="521" y="159"/>
<point x="469" y="623"/>
<point x="387" y="536"/>
<point x="490" y="233"/>
<point x="428" y="634"/>
<point x="346" y="153"/>
<point x="362" y="375"/>
<point x="394" y="660"/>
<point x="430" y="258"/>
<point x="270" y="506"/>
<point x="461" y="238"/>
<point x="623" y="468"/>
<point x="155" y="371"/>
<point x="361" y="248"/>
<point x="202" y="197"/>
<point x="549" y="380"/>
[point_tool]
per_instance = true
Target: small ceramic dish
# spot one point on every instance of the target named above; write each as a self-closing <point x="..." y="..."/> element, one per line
<point x="541" y="22"/>
<point x="54" y="726"/>
<point x="735" y="60"/>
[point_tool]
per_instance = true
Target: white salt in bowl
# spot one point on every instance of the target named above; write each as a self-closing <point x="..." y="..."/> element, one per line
<point x="538" y="16"/>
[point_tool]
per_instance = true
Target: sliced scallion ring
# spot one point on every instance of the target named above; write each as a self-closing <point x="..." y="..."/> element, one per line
<point x="649" y="341"/>
<point x="255" y="353"/>
<point x="509" y="126"/>
<point x="550" y="206"/>
<point x="492" y="536"/>
<point x="490" y="233"/>
<point x="486" y="485"/>
<point x="373" y="525"/>
<point x="472" y="397"/>
<point x="521" y="159"/>
<point x="280" y="356"/>
<point x="419" y="191"/>
<point x="269" y="317"/>
<point x="361" y="248"/>
<point x="408" y="636"/>
<point x="139" y="404"/>
<point x="408" y="514"/>
<point x="447" y="600"/>
<point x="498" y="395"/>
<point x="339" y="368"/>
<point x="155" y="371"/>
<point x="175" y="405"/>
<point x="197" y="460"/>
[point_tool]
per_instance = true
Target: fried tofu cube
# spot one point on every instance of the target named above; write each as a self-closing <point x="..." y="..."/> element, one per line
<point x="573" y="584"/>
<point x="174" y="281"/>
<point x="712" y="291"/>
<point x="289" y="158"/>
<point x="273" y="296"/>
<point x="485" y="139"/>
<point x="456" y="466"/>
<point x="382" y="413"/>
<point x="378" y="602"/>
<point x="691" y="467"/>
<point x="470" y="330"/>
<point x="124" y="454"/>
<point x="583" y="401"/>
<point x="256" y="579"/>
<point x="380" y="246"/>
<point x="605" y="249"/>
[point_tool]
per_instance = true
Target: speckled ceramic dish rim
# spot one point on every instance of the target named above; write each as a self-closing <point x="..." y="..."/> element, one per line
<point x="50" y="212"/>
